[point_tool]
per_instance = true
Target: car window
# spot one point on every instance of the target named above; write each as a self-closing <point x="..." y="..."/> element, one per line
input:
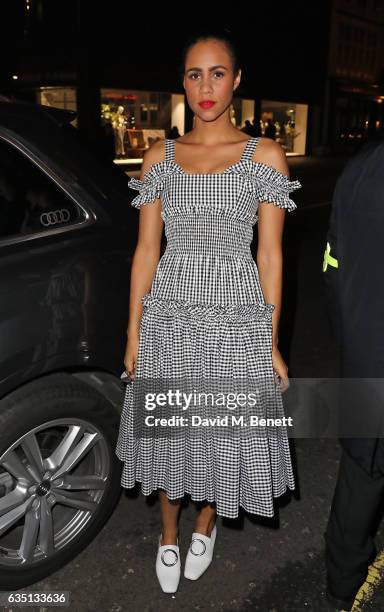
<point x="30" y="201"/>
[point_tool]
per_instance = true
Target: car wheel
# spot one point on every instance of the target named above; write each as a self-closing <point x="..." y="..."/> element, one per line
<point x="59" y="475"/>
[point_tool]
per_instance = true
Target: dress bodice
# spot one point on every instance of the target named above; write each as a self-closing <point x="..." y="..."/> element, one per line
<point x="209" y="222"/>
<point x="232" y="194"/>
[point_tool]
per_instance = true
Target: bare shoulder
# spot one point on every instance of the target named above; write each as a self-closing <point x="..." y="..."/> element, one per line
<point x="272" y="154"/>
<point x="153" y="155"/>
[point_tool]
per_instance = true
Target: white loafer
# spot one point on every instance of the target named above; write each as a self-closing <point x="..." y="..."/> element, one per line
<point x="168" y="566"/>
<point x="200" y="554"/>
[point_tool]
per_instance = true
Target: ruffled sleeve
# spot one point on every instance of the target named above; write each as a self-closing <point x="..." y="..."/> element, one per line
<point x="150" y="188"/>
<point x="270" y="185"/>
<point x="267" y="184"/>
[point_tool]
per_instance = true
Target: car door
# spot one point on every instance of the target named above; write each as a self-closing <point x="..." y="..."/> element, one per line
<point x="52" y="273"/>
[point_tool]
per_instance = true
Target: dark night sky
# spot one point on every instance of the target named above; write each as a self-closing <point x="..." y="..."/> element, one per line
<point x="283" y="44"/>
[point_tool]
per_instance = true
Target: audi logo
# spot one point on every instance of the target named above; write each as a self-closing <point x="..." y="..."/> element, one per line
<point x="55" y="216"/>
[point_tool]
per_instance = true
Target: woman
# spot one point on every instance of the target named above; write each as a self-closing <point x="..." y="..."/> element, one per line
<point x="205" y="310"/>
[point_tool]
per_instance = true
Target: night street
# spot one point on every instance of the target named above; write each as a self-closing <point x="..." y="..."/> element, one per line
<point x="108" y="110"/>
<point x="267" y="565"/>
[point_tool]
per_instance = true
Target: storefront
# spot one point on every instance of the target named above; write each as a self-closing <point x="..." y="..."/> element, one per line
<point x="134" y="119"/>
<point x="138" y="118"/>
<point x="357" y="113"/>
<point x="59" y="97"/>
<point x="285" y="122"/>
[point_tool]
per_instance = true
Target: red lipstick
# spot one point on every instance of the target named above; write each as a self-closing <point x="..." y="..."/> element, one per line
<point x="206" y="103"/>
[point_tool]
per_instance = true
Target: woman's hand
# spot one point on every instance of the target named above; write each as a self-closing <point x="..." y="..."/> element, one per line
<point x="280" y="369"/>
<point x="131" y="352"/>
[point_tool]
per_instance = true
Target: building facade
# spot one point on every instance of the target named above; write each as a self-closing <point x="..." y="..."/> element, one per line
<point x="313" y="82"/>
<point x="354" y="88"/>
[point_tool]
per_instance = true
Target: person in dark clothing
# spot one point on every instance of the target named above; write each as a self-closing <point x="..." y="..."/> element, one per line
<point x="173" y="132"/>
<point x="256" y="129"/>
<point x="270" y="130"/>
<point x="247" y="129"/>
<point x="355" y="295"/>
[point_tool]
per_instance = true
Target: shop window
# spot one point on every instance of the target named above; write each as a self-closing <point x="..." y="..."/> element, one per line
<point x="286" y="123"/>
<point x="135" y="119"/>
<point x="58" y="97"/>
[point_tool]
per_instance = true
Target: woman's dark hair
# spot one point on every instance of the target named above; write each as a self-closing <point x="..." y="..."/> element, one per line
<point x="224" y="35"/>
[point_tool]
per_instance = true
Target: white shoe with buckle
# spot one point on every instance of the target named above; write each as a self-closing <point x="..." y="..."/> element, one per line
<point x="168" y="566"/>
<point x="200" y="554"/>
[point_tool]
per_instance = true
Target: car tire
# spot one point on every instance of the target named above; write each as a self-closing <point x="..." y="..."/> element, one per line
<point x="39" y="412"/>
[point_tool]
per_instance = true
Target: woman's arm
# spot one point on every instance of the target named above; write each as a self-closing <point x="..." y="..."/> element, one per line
<point x="146" y="255"/>
<point x="269" y="256"/>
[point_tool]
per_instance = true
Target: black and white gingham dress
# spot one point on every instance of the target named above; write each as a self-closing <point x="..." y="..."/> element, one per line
<point x="205" y="315"/>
